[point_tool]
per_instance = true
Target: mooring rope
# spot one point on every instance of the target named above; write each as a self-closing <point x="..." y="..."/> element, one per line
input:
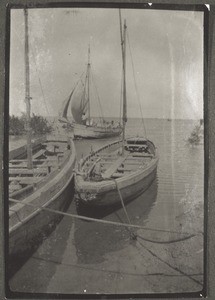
<point x="122" y="202"/>
<point x="90" y="268"/>
<point x="99" y="220"/>
<point x="127" y="227"/>
<point x="169" y="265"/>
<point x="132" y="234"/>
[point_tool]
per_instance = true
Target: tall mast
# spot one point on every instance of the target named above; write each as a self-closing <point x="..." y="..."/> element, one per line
<point x="123" y="46"/>
<point x="88" y="82"/>
<point x="27" y="95"/>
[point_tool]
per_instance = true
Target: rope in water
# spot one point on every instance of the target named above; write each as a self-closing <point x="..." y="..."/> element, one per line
<point x="132" y="235"/>
<point x="135" y="236"/>
<point x="188" y="235"/>
<point x="121" y="224"/>
<point x="122" y="202"/>
<point x="169" y="265"/>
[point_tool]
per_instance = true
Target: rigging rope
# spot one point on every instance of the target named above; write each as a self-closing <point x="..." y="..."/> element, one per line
<point x="43" y="95"/>
<point x="135" y="84"/>
<point x="100" y="107"/>
<point x="120" y="113"/>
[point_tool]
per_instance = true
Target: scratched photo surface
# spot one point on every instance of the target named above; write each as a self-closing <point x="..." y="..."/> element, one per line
<point x="138" y="73"/>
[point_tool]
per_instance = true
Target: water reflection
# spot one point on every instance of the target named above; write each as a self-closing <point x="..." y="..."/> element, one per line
<point x="94" y="240"/>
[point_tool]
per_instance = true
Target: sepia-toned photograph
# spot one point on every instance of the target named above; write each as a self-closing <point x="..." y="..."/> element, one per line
<point x="106" y="151"/>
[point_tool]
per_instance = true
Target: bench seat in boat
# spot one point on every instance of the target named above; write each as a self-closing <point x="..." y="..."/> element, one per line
<point x="108" y="173"/>
<point x="28" y="172"/>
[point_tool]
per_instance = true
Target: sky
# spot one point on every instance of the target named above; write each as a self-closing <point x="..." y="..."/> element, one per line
<point x="164" y="77"/>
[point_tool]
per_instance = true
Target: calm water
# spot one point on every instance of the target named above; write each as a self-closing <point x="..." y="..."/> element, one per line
<point x="87" y="257"/>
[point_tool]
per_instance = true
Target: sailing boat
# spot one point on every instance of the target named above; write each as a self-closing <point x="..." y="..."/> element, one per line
<point x="40" y="177"/>
<point x="121" y="170"/>
<point x="83" y="125"/>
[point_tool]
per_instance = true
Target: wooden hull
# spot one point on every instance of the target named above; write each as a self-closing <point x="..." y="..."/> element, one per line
<point x="105" y="193"/>
<point x="111" y="197"/>
<point x="28" y="224"/>
<point x="90" y="132"/>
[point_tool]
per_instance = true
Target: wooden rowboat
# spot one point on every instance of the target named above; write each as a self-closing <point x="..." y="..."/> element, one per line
<point x="49" y="184"/>
<point x="105" y="175"/>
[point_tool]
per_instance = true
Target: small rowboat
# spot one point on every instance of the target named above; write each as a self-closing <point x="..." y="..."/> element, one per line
<point x="106" y="175"/>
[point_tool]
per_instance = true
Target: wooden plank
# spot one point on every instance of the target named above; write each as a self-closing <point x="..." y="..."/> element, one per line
<point x="126" y="170"/>
<point x="106" y="162"/>
<point x="58" y="142"/>
<point x="19" y="192"/>
<point x="19" y="178"/>
<point x="38" y="154"/>
<point x="14" y="188"/>
<point x="27" y="171"/>
<point x="34" y="160"/>
<point x="117" y="175"/>
<point x="116" y="164"/>
<point x="142" y="155"/>
<point x="43" y="165"/>
<point x="17" y="166"/>
<point x="135" y="162"/>
<point x="31" y="180"/>
<point x="109" y="154"/>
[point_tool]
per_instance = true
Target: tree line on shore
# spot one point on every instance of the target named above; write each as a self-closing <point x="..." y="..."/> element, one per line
<point x="39" y="125"/>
